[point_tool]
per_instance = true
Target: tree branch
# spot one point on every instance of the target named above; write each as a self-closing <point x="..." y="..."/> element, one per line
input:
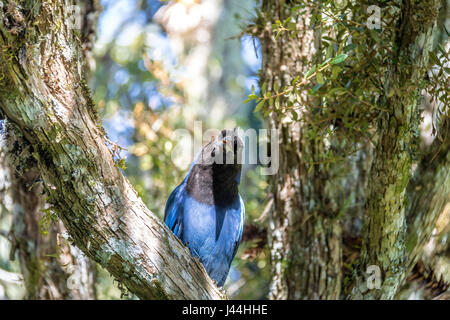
<point x="51" y="267"/>
<point x="44" y="93"/>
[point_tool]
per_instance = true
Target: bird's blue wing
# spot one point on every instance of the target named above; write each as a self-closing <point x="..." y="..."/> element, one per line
<point x="241" y="229"/>
<point x="173" y="215"/>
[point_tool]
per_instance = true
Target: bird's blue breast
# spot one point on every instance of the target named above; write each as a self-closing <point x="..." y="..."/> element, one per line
<point x="212" y="232"/>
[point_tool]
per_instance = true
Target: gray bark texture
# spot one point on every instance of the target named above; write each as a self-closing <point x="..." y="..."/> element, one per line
<point x="51" y="267"/>
<point x="304" y="238"/>
<point x="43" y="92"/>
<point x="385" y="231"/>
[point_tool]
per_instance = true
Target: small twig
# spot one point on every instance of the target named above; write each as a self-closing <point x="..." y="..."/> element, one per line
<point x="266" y="211"/>
<point x="115" y="148"/>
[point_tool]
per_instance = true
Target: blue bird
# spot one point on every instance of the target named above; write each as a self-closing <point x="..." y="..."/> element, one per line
<point x="206" y="211"/>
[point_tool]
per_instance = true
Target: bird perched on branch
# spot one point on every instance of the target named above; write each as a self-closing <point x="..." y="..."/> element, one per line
<point x="206" y="211"/>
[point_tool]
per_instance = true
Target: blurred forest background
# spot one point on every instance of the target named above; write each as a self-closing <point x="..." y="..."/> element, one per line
<point x="158" y="66"/>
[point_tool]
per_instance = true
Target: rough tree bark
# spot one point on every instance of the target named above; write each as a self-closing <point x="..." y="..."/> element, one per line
<point x="43" y="92"/>
<point x="304" y="237"/>
<point x="385" y="232"/>
<point x="51" y="267"/>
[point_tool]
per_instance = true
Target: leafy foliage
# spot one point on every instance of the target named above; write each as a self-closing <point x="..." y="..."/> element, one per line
<point x="348" y="76"/>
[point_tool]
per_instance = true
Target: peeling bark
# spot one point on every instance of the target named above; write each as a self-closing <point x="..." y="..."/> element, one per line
<point x="43" y="92"/>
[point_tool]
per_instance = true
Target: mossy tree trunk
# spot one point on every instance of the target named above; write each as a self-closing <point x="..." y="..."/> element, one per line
<point x="52" y="268"/>
<point x="43" y="93"/>
<point x="397" y="147"/>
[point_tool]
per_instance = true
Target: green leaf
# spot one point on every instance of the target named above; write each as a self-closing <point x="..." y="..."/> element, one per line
<point x="335" y="71"/>
<point x="334" y="90"/>
<point x="294" y="82"/>
<point x="339" y="91"/>
<point x="434" y="59"/>
<point x="350" y="47"/>
<point x="442" y="50"/>
<point x="260" y="105"/>
<point x="250" y="98"/>
<point x="264" y="88"/>
<point x="319" y="78"/>
<point x="292" y="26"/>
<point x="330" y="51"/>
<point x="338" y="59"/>
<point x="391" y="92"/>
<point x="310" y="71"/>
<point x="325" y="63"/>
<point x="277" y="103"/>
<point x="296" y="8"/>
<point x="348" y="84"/>
<point x="121" y="164"/>
<point x="317" y="87"/>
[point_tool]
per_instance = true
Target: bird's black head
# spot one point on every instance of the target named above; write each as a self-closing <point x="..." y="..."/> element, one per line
<point x="223" y="152"/>
<point x="215" y="177"/>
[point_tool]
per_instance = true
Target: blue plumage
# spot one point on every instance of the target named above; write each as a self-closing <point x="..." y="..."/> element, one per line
<point x="206" y="211"/>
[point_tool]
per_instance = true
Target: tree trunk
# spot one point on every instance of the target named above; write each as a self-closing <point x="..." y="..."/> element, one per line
<point x="304" y="237"/>
<point x="51" y="267"/>
<point x="429" y="198"/>
<point x="385" y="231"/>
<point x="44" y="93"/>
